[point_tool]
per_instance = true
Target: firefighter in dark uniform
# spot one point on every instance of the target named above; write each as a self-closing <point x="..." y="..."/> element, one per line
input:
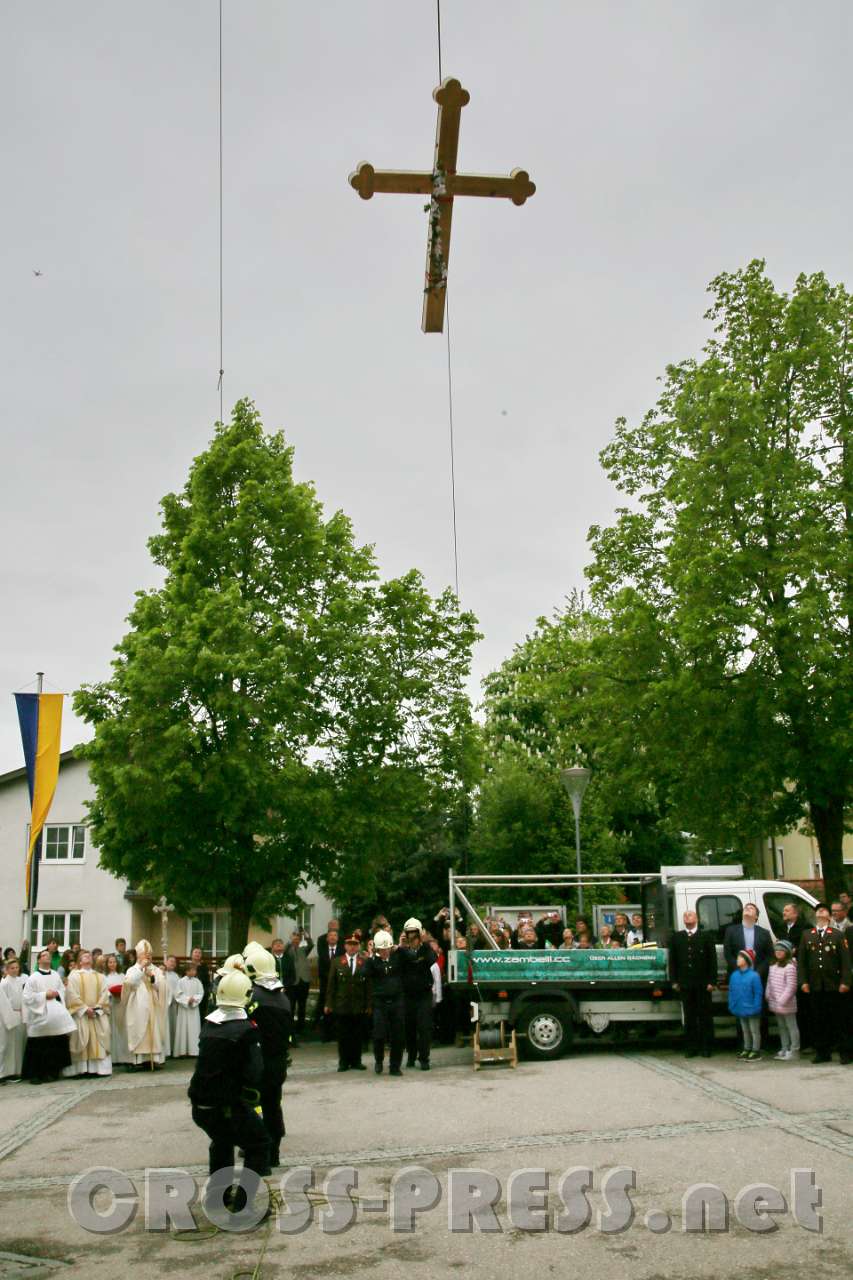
<point x="270" y="1009"/>
<point x="824" y="975"/>
<point x="693" y="973"/>
<point x="348" y="998"/>
<point x="225" y="1086"/>
<point x="384" y="971"/>
<point x="418" y="958"/>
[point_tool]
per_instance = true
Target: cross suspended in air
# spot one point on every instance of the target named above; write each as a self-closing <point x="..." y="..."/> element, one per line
<point x="441" y="186"/>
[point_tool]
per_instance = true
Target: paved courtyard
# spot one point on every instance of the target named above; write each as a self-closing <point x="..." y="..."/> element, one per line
<point x="675" y="1122"/>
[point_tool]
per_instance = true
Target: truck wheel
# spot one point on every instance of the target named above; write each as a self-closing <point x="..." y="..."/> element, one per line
<point x="546" y="1030"/>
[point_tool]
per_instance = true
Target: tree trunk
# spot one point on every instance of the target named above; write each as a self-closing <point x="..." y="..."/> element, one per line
<point x="828" y="822"/>
<point x="241" y="918"/>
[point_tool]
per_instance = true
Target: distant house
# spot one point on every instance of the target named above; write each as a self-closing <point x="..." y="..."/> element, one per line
<point x="79" y="902"/>
<point x="795" y="856"/>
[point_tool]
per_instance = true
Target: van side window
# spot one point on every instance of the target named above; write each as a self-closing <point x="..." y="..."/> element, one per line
<point x="773" y="904"/>
<point x="717" y="911"/>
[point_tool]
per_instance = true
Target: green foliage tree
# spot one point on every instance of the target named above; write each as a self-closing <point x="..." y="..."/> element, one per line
<point x="551" y="704"/>
<point x="728" y="584"/>
<point x="275" y="713"/>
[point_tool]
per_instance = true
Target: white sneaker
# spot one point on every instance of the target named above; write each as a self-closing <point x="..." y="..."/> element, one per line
<point x="792" y="1055"/>
<point x="781" y="1055"/>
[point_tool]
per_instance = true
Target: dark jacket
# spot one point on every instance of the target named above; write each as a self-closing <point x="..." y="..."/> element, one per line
<point x="385" y="976"/>
<point x="416" y="965"/>
<point x="285" y="968"/>
<point x="824" y="962"/>
<point x="733" y="942"/>
<point x="230" y="1067"/>
<point x="270" y="1010"/>
<point x="348" y="993"/>
<point x="793" y="935"/>
<point x="693" y="960"/>
<point x="323" y="962"/>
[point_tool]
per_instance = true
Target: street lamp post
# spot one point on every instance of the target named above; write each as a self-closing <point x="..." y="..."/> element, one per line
<point x="575" y="781"/>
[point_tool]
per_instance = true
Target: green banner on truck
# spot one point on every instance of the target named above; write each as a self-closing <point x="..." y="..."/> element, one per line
<point x="634" y="964"/>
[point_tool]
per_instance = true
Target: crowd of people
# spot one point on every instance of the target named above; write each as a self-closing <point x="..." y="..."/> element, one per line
<point x="82" y="1012"/>
<point x="803" y="978"/>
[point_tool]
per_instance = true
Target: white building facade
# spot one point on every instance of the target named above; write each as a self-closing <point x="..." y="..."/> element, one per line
<point x="80" y="902"/>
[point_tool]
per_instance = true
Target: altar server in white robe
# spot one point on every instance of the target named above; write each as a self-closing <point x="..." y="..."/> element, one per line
<point x="188" y="1023"/>
<point x="48" y="1022"/>
<point x="88" y="1001"/>
<point x="144" y="998"/>
<point x="173" y="978"/>
<point x="119" y="1051"/>
<point x="14" y="1040"/>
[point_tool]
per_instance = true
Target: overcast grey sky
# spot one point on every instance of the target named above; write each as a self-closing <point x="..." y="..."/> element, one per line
<point x="668" y="141"/>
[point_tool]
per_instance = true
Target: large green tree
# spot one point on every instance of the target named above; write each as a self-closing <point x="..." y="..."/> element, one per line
<point x="728" y="583"/>
<point x="275" y="712"/>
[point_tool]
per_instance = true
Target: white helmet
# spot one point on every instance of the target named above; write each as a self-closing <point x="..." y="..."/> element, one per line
<point x="259" y="962"/>
<point x="412" y="924"/>
<point x="234" y="990"/>
<point x="229" y="965"/>
<point x="382" y="939"/>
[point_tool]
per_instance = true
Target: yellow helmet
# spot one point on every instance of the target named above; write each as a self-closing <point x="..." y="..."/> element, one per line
<point x="234" y="990"/>
<point x="229" y="965"/>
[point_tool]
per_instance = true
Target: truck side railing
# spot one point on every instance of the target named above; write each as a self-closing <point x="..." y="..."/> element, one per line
<point x="457" y="886"/>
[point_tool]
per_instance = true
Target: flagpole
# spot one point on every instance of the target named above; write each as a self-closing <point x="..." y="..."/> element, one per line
<point x="28" y="914"/>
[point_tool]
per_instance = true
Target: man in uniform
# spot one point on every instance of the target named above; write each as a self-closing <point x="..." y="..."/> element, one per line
<point x="693" y="972"/>
<point x="270" y="1010"/>
<point x="417" y="959"/>
<point x="348" y="998"/>
<point x="224" y="1086"/>
<point x="383" y="970"/>
<point x="824" y="974"/>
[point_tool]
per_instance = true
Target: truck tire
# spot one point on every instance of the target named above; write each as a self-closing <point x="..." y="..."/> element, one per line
<point x="545" y="1030"/>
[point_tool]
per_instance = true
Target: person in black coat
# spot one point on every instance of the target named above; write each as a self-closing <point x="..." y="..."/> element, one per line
<point x="384" y="971"/>
<point x="203" y="974"/>
<point x="417" y="960"/>
<point x="328" y="948"/>
<point x="225" y="1086"/>
<point x="693" y="973"/>
<point x="270" y="1010"/>
<point x="749" y="936"/>
<point x="824" y="974"/>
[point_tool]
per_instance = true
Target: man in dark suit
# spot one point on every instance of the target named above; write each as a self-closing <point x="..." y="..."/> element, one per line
<point x="328" y="950"/>
<point x="348" y="999"/>
<point x="825" y="977"/>
<point x="693" y="973"/>
<point x="749" y="936"/>
<point x="792" y="926"/>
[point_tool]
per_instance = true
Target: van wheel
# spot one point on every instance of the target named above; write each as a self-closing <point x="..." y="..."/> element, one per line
<point x="545" y="1030"/>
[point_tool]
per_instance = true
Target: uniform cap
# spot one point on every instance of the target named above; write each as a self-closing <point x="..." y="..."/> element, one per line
<point x="352" y="937"/>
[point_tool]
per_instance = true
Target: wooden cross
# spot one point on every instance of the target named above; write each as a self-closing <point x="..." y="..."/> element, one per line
<point x="441" y="186"/>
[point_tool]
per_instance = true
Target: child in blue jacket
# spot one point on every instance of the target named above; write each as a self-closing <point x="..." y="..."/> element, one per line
<point x="746" y="998"/>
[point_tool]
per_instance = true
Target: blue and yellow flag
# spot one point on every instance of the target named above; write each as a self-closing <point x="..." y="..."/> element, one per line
<point x="40" y="718"/>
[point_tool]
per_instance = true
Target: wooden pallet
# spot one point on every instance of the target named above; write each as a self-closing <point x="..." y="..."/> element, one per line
<point x="505" y="1051"/>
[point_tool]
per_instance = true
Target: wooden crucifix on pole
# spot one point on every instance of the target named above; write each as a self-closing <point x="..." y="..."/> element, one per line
<point x="442" y="185"/>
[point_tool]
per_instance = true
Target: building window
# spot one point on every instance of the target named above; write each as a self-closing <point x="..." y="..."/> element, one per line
<point x="304" y="920"/>
<point x="64" y="926"/>
<point x="210" y="930"/>
<point x="66" y="843"/>
<point x="716" y="912"/>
